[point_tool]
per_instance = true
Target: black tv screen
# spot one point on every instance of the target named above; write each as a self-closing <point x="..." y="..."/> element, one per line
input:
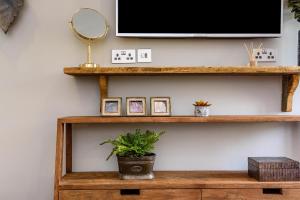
<point x="199" y="18"/>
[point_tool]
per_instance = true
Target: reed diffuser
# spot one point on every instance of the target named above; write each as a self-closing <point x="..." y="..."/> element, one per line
<point x="251" y="55"/>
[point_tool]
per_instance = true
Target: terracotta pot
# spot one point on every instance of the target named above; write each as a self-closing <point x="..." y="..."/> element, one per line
<point x="136" y="167"/>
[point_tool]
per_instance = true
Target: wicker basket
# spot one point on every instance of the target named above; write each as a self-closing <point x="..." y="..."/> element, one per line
<point x="273" y="169"/>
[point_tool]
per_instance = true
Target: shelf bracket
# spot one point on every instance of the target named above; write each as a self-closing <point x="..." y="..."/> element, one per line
<point x="289" y="86"/>
<point x="103" y="88"/>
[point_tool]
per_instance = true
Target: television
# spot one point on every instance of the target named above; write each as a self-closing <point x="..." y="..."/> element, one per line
<point x="199" y="18"/>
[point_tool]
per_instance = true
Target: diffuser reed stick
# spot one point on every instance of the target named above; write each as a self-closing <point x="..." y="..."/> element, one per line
<point x="250" y="50"/>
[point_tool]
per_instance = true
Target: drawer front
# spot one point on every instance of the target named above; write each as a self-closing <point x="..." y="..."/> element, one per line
<point x="172" y="194"/>
<point x="250" y="194"/>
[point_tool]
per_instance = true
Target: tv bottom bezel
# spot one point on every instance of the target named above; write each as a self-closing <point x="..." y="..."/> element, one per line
<point x="180" y="35"/>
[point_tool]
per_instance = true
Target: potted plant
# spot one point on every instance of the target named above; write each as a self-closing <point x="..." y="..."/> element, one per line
<point x="201" y="108"/>
<point x="134" y="152"/>
<point x="295" y="6"/>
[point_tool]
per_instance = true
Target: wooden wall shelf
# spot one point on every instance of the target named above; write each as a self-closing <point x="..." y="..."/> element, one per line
<point x="290" y="75"/>
<point x="181" y="119"/>
<point x="200" y="70"/>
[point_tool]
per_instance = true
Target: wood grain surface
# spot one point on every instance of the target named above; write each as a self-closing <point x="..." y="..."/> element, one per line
<point x="289" y="86"/>
<point x="183" y="119"/>
<point x="169" y="180"/>
<point x="182" y="70"/>
<point x="168" y="194"/>
<point x="248" y="194"/>
<point x="58" y="158"/>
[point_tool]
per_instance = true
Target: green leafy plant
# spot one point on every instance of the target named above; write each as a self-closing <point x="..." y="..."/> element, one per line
<point x="295" y="5"/>
<point x="134" y="144"/>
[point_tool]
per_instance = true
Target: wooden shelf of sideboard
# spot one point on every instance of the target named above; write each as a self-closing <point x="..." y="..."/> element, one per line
<point x="290" y="75"/>
<point x="169" y="179"/>
<point x="180" y="119"/>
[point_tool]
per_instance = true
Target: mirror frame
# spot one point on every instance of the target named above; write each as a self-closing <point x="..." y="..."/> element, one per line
<point x="84" y="37"/>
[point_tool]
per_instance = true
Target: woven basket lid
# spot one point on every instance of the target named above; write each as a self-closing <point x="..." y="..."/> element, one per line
<point x="273" y="162"/>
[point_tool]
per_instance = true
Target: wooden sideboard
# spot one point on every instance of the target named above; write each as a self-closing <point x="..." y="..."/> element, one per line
<point x="181" y="185"/>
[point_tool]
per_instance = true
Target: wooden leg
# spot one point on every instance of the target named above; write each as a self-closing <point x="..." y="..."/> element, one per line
<point x="103" y="88"/>
<point x="69" y="148"/>
<point x="59" y="158"/>
<point x="289" y="86"/>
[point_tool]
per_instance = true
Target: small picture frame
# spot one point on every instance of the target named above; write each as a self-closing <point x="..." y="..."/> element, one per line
<point x="160" y="106"/>
<point x="111" y="106"/>
<point x="136" y="106"/>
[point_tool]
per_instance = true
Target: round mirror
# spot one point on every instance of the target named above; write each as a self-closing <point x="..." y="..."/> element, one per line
<point x="89" y="25"/>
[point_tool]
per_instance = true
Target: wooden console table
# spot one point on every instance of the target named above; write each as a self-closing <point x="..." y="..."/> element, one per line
<point x="183" y="185"/>
<point x="290" y="76"/>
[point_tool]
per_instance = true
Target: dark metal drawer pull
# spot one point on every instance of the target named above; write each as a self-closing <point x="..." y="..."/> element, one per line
<point x="272" y="191"/>
<point x="130" y="192"/>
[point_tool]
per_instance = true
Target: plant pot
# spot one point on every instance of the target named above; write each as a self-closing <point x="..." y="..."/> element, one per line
<point x="201" y="111"/>
<point x="136" y="167"/>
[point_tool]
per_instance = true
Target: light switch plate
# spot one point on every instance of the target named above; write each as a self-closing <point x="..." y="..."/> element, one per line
<point x="123" y="56"/>
<point x="144" y="55"/>
<point x="265" y="55"/>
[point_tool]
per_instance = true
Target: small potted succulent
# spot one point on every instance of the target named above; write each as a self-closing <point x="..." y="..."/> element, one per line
<point x="134" y="152"/>
<point x="201" y="108"/>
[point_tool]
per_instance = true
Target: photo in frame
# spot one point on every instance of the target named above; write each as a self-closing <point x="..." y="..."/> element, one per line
<point x="136" y="106"/>
<point x="111" y="106"/>
<point x="160" y="106"/>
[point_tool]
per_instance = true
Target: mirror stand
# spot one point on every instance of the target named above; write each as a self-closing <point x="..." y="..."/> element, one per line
<point x="89" y="26"/>
<point x="89" y="62"/>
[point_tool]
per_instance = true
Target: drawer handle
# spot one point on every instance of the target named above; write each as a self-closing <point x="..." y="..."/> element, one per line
<point x="130" y="192"/>
<point x="272" y="191"/>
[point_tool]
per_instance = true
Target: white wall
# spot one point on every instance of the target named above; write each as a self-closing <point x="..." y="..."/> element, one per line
<point x="34" y="92"/>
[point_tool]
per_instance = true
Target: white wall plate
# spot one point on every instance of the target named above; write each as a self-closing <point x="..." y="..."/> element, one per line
<point x="123" y="56"/>
<point x="265" y="55"/>
<point x="144" y="55"/>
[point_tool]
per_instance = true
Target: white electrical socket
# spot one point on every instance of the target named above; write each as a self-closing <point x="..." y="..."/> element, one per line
<point x="123" y="56"/>
<point x="144" y="55"/>
<point x="265" y="55"/>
